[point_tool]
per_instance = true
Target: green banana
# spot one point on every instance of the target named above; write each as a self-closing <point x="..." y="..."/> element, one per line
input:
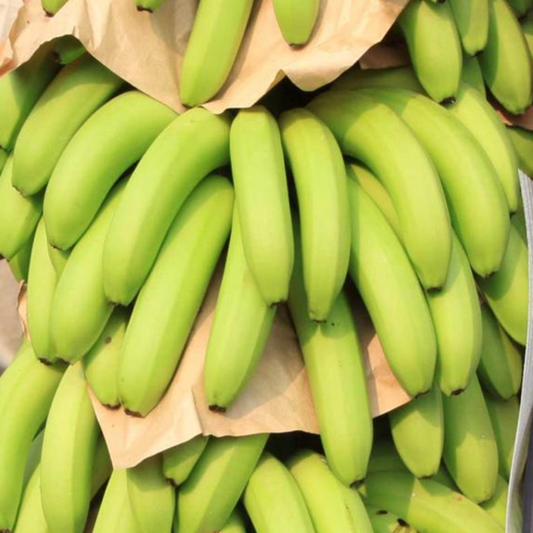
<point x="178" y="462"/>
<point x="366" y="129"/>
<point x="42" y="282"/>
<point x="273" y="500"/>
<point x="72" y="97"/>
<point x="434" y="46"/>
<point x="504" y="417"/>
<point x="507" y="291"/>
<point x="51" y="7"/>
<point x="101" y="363"/>
<point x="296" y="20"/>
<point x="58" y="258"/>
<point x="385" y="458"/>
<point x="241" y="328"/>
<point x="34" y="457"/>
<point x="27" y="388"/>
<point x="472" y="74"/>
<point x="522" y="140"/>
<point x="472" y="21"/>
<point x="497" y="505"/>
<point x="80" y="310"/>
<point x="167" y="305"/>
<point x="385" y="522"/>
<point x="19" y="216"/>
<point x="320" y="177"/>
<point x="475" y="197"/>
<point x="235" y="524"/>
<point x="19" y="92"/>
<point x="443" y="477"/>
<point x="500" y="367"/>
<point x="211" y="492"/>
<point x="506" y="60"/>
<point x="418" y="432"/>
<point x="194" y="144"/>
<point x="152" y="499"/>
<point x="213" y="46"/>
<point x="334" y="362"/>
<point x="148" y="5"/>
<point x="388" y="285"/>
<point x="263" y="201"/>
<point x="403" y="77"/>
<point x="470" y="451"/>
<point x="113" y="139"/>
<point x="520" y="7"/>
<point x="471" y="108"/>
<point x="333" y="507"/>
<point x="426" y="505"/>
<point x="20" y="262"/>
<point x="67" y="49"/>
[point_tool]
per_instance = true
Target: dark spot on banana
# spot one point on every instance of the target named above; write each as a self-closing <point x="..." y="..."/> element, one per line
<point x="108" y="340"/>
<point x="382" y="512"/>
<point x="457" y="392"/>
<point x="448" y="101"/>
<point x="402" y="523"/>
<point x="217" y="409"/>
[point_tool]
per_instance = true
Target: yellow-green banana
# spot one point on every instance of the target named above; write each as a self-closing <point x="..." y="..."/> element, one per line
<point x="262" y="200"/>
<point x="497" y="505"/>
<point x="320" y="177"/>
<point x="167" y="305"/>
<point x="51" y="7"/>
<point x="472" y="21"/>
<point x="296" y="20"/>
<point x="472" y="74"/>
<point x="20" y="262"/>
<point x="72" y="97"/>
<point x="470" y="451"/>
<point x="58" y="258"/>
<point x="113" y="139"/>
<point x="212" y="490"/>
<point x="402" y="77"/>
<point x="522" y="140"/>
<point x="193" y="145"/>
<point x="67" y="49"/>
<point x="384" y="522"/>
<point x="178" y="462"/>
<point x="213" y="46"/>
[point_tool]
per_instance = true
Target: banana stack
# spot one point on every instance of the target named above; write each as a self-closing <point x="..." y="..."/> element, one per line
<point x="400" y="184"/>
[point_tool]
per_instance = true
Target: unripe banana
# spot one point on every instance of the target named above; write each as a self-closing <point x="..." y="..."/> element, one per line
<point x="384" y="522"/>
<point x="212" y="490"/>
<point x="20" y="262"/>
<point x="51" y="7"/>
<point x="500" y="367"/>
<point x="520" y="7"/>
<point x="296" y="20"/>
<point x="67" y="49"/>
<point x="385" y="458"/>
<point x="194" y="144"/>
<point x="273" y="500"/>
<point x="366" y="129"/>
<point x="20" y="90"/>
<point x="213" y="46"/>
<point x="263" y="201"/>
<point x="506" y="60"/>
<point x="320" y="177"/>
<point x="443" y="477"/>
<point x="148" y="5"/>
<point x="472" y="74"/>
<point x="522" y="140"/>
<point x="235" y="524"/>
<point x="471" y="108"/>
<point x="472" y="21"/>
<point x="470" y="451"/>
<point x="504" y="417"/>
<point x="401" y="77"/>
<point x="152" y="498"/>
<point x="497" y="505"/>
<point x="58" y="258"/>
<point x="418" y="432"/>
<point x="333" y="507"/>
<point x="101" y="363"/>
<point x="80" y="309"/>
<point x="334" y="362"/>
<point x="178" y="462"/>
<point x="434" y="47"/>
<point x="426" y="505"/>
<point x="19" y="216"/>
<point x="113" y="139"/>
<point x="76" y="92"/>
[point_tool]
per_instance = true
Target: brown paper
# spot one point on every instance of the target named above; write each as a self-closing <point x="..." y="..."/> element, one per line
<point x="10" y="325"/>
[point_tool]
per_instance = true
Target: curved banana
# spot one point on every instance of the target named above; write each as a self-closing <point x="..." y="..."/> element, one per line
<point x="241" y="328"/>
<point x="500" y="367"/>
<point x="296" y="20"/>
<point x="470" y="451"/>
<point x="426" y="505"/>
<point x="472" y="21"/>
<point x="366" y="129"/>
<point x="384" y="522"/>
<point x="520" y="7"/>
<point x="113" y="139"/>
<point x="403" y="77"/>
<point x="472" y="75"/>
<point x="333" y="507"/>
<point x="20" y="262"/>
<point x="20" y="90"/>
<point x="213" y="46"/>
<point x="19" y="216"/>
<point x="58" y="258"/>
<point x="27" y="388"/>
<point x="262" y="200"/>
<point x="418" y="432"/>
<point x="72" y="97"/>
<point x="497" y="505"/>
<point x="506" y="60"/>
<point x="51" y="7"/>
<point x="235" y="524"/>
<point x="67" y="49"/>
<point x="320" y="178"/>
<point x="212" y="490"/>
<point x="196" y="143"/>
<point x="273" y="500"/>
<point x="471" y="108"/>
<point x="434" y="46"/>
<point x="80" y="310"/>
<point x="101" y="363"/>
<point x="169" y="301"/>
<point x="178" y="462"/>
<point x="504" y="417"/>
<point x="42" y="281"/>
<point x="334" y="362"/>
<point x="385" y="458"/>
<point x="152" y="498"/>
<point x="522" y="140"/>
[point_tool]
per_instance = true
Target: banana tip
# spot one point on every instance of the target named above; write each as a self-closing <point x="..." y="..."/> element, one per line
<point x="217" y="409"/>
<point x="45" y="361"/>
<point x="134" y="414"/>
<point x="457" y="392"/>
<point x="448" y="101"/>
<point x="142" y="9"/>
<point x="111" y="407"/>
<point x="173" y="482"/>
<point x="49" y="15"/>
